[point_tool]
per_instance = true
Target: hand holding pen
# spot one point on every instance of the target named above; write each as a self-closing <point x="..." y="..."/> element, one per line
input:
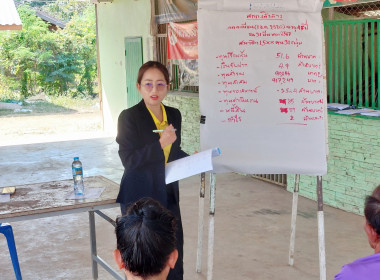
<point x="168" y="136"/>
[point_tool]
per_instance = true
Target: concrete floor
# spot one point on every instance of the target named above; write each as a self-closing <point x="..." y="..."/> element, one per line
<point x="252" y="222"/>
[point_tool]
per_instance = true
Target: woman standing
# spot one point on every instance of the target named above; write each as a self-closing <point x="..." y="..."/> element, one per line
<point x="145" y="152"/>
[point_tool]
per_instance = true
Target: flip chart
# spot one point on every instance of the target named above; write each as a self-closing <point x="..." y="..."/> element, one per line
<point x="261" y="86"/>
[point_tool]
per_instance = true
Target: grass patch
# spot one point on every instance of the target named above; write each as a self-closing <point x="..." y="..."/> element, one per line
<point x="5" y="112"/>
<point x="44" y="107"/>
<point x="74" y="103"/>
<point x="54" y="105"/>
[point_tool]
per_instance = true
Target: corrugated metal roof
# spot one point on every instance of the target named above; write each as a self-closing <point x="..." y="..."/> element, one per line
<point x="9" y="18"/>
<point x="50" y="19"/>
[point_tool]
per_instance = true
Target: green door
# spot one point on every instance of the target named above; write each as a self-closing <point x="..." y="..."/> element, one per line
<point x="133" y="61"/>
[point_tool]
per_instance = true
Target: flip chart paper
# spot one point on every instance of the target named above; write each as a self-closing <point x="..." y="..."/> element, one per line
<point x="261" y="86"/>
<point x="261" y="5"/>
<point x="191" y="165"/>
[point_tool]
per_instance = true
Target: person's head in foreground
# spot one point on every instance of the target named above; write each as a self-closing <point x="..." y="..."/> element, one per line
<point x="146" y="241"/>
<point x="367" y="268"/>
<point x="372" y="217"/>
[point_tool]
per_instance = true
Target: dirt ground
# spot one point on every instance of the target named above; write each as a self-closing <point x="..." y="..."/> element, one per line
<point x="252" y="220"/>
<point x="27" y="128"/>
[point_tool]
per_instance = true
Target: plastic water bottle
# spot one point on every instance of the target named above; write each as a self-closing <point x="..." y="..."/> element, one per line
<point x="78" y="177"/>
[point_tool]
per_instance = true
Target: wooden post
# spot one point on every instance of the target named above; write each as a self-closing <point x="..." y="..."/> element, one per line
<point x="98" y="65"/>
<point x="210" y="255"/>
<point x="200" y="222"/>
<point x="321" y="231"/>
<point x="294" y="218"/>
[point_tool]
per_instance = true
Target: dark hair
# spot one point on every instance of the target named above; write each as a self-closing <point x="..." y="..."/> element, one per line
<point x="152" y="64"/>
<point x="146" y="236"/>
<point x="372" y="209"/>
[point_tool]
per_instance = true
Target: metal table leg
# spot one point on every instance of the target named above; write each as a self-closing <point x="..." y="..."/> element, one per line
<point x="94" y="253"/>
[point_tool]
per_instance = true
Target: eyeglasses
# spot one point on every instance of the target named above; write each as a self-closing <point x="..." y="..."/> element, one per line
<point x="149" y="86"/>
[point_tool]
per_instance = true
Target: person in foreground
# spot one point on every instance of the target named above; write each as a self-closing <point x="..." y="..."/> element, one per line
<point x="367" y="268"/>
<point x="144" y="151"/>
<point x="146" y="241"/>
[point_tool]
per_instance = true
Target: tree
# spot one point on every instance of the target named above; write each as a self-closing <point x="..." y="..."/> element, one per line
<point x="82" y="34"/>
<point x="21" y="50"/>
<point x="61" y="62"/>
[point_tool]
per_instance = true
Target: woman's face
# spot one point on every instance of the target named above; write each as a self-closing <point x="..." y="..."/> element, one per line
<point x="153" y="87"/>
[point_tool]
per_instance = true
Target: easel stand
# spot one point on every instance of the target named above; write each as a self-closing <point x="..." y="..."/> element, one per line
<point x="321" y="231"/>
<point x="321" y="227"/>
<point x="210" y="251"/>
<point x="200" y="221"/>
<point x="294" y="219"/>
<point x="210" y="254"/>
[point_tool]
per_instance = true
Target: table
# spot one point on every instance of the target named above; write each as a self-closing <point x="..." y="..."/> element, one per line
<point x="48" y="199"/>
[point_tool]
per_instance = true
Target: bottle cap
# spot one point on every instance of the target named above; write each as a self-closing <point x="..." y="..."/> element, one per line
<point x="76" y="158"/>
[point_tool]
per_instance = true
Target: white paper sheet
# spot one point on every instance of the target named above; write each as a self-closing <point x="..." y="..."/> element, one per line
<point x="267" y="5"/>
<point x="191" y="165"/>
<point x="337" y="106"/>
<point x="355" y="111"/>
<point x="88" y="193"/>
<point x="261" y="88"/>
<point x="371" y="114"/>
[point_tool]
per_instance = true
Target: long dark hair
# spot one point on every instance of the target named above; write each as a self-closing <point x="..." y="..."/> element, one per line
<point x="146" y="236"/>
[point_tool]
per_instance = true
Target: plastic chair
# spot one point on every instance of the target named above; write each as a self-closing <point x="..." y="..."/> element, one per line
<point x="6" y="229"/>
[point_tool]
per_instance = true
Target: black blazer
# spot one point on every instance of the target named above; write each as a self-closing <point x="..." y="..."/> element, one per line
<point x="142" y="157"/>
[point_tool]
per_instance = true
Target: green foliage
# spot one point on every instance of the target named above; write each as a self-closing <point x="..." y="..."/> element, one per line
<point x="59" y="62"/>
<point x="66" y="11"/>
<point x="53" y="105"/>
<point x="7" y="89"/>
<point x="37" y="4"/>
<point x="19" y="52"/>
<point x="81" y="30"/>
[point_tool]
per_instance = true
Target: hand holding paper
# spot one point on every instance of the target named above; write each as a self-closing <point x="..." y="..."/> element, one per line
<point x="191" y="165"/>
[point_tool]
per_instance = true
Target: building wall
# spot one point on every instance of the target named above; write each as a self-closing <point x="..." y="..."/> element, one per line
<point x="188" y="104"/>
<point x="116" y="21"/>
<point x="354" y="142"/>
<point x="353" y="163"/>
